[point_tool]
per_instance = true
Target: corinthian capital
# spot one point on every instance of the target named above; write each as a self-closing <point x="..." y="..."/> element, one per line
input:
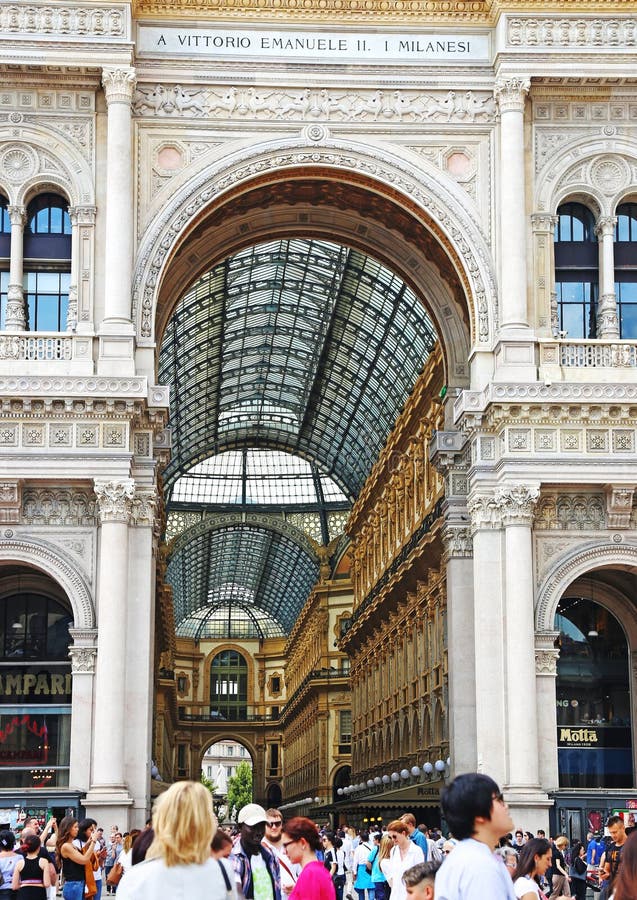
<point x="484" y="511"/>
<point x="119" y="85"/>
<point x="143" y="507"/>
<point x="114" y="499"/>
<point x="517" y="503"/>
<point x="510" y="92"/>
<point x="17" y="214"/>
<point x="605" y="226"/>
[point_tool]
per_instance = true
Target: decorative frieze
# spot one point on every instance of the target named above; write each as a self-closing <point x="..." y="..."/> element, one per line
<point x="570" y="512"/>
<point x="45" y="20"/>
<point x="83" y="435"/>
<point x="572" y="32"/>
<point x="115" y="499"/>
<point x="313" y="104"/>
<point x="58" y="506"/>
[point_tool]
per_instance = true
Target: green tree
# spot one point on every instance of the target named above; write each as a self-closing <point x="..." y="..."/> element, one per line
<point x="240" y="787"/>
<point x="207" y="783"/>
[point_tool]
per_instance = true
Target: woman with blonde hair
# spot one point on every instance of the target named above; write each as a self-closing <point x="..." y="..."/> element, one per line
<point x="178" y="862"/>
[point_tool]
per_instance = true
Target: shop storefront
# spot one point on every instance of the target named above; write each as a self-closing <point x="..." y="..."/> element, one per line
<point x="35" y="708"/>
<point x="594" y="723"/>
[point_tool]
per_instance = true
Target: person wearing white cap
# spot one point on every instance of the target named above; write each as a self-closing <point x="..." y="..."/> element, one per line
<point x="256" y="869"/>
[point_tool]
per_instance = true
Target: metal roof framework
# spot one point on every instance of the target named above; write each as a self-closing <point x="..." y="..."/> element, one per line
<point x="302" y="346"/>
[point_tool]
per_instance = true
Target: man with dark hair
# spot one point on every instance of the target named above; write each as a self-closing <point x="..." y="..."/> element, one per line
<point x="419" y="880"/>
<point x="613" y="855"/>
<point x="478" y="817"/>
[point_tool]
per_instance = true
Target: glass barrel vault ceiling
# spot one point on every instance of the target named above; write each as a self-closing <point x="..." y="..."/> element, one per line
<point x="302" y="346"/>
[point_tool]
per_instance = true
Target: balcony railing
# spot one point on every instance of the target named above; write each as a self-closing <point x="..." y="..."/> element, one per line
<point x="45" y="351"/>
<point x="589" y="354"/>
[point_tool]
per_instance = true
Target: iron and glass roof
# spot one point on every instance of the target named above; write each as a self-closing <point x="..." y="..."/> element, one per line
<point x="288" y="364"/>
<point x="262" y="574"/>
<point x="300" y="345"/>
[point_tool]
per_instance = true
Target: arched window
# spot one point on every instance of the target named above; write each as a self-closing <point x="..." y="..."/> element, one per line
<point x="5" y="254"/>
<point x="626" y="269"/>
<point x="35" y="690"/>
<point x="593" y="698"/>
<point x="229" y="686"/>
<point x="47" y="262"/>
<point x="576" y="270"/>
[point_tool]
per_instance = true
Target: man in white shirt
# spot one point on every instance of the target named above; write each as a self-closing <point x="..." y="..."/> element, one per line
<point x="273" y="841"/>
<point x="477" y="815"/>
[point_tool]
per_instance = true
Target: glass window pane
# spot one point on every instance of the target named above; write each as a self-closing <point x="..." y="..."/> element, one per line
<point x="56" y="220"/>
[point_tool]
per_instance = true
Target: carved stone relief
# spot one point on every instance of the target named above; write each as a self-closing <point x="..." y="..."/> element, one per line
<point x="63" y="21"/>
<point x="575" y="32"/>
<point x="58" y="506"/>
<point x="308" y="104"/>
<point x="570" y="512"/>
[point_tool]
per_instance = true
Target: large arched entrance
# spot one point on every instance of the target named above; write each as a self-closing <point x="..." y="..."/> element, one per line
<point x="295" y="318"/>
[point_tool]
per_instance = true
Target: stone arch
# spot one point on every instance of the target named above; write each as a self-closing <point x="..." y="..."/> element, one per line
<point x="52" y="162"/>
<point x="42" y="556"/>
<point x="429" y="199"/>
<point x="595" y="171"/>
<point x="235" y="735"/>
<point x="573" y="564"/>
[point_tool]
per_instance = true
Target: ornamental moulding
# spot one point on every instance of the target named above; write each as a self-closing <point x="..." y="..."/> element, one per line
<point x="571" y="565"/>
<point x="439" y="201"/>
<point x="48" y="560"/>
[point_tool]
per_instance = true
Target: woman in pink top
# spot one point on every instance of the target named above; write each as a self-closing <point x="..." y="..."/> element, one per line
<point x="300" y="842"/>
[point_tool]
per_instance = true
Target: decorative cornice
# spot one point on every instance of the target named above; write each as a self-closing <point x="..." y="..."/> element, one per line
<point x="119" y="85"/>
<point x="115" y="499"/>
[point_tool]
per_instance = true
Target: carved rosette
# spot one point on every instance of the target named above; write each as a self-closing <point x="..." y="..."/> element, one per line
<point x="517" y="503"/>
<point x="119" y="85"/>
<point x="83" y="660"/>
<point x="510" y="93"/>
<point x="114" y="499"/>
<point x="143" y="508"/>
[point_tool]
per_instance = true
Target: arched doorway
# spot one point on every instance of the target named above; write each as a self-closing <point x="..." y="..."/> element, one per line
<point x="227" y="771"/>
<point x="35" y="677"/>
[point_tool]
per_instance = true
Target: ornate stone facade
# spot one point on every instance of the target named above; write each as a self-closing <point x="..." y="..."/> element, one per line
<point x="441" y="137"/>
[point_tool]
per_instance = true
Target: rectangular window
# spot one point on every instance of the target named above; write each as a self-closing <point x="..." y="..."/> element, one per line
<point x="47" y="300"/>
<point x="4" y="286"/>
<point x="626" y="292"/>
<point x="181" y="759"/>
<point x="576" y="303"/>
<point x="345" y="730"/>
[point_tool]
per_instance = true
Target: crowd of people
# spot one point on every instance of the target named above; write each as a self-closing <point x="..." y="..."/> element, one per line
<point x="183" y="853"/>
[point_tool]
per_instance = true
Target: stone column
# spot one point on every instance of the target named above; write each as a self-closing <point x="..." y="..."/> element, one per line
<point x="489" y="635"/>
<point x="544" y="271"/>
<point x="546" y="657"/>
<point x="140" y="627"/>
<point x="72" y="314"/>
<point x="108" y="782"/>
<point x="461" y="653"/>
<point x="517" y="504"/>
<point x="119" y="85"/>
<point x="82" y="652"/>
<point x="16" y="318"/>
<point x="607" y="319"/>
<point x="510" y="94"/>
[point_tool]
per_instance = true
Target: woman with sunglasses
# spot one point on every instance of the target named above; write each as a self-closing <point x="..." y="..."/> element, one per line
<point x="301" y="841"/>
<point x="405" y="854"/>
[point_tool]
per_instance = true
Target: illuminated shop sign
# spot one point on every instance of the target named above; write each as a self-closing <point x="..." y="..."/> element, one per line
<point x="592" y="736"/>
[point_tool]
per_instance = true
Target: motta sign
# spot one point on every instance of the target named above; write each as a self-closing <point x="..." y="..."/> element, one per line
<point x="344" y="47"/>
